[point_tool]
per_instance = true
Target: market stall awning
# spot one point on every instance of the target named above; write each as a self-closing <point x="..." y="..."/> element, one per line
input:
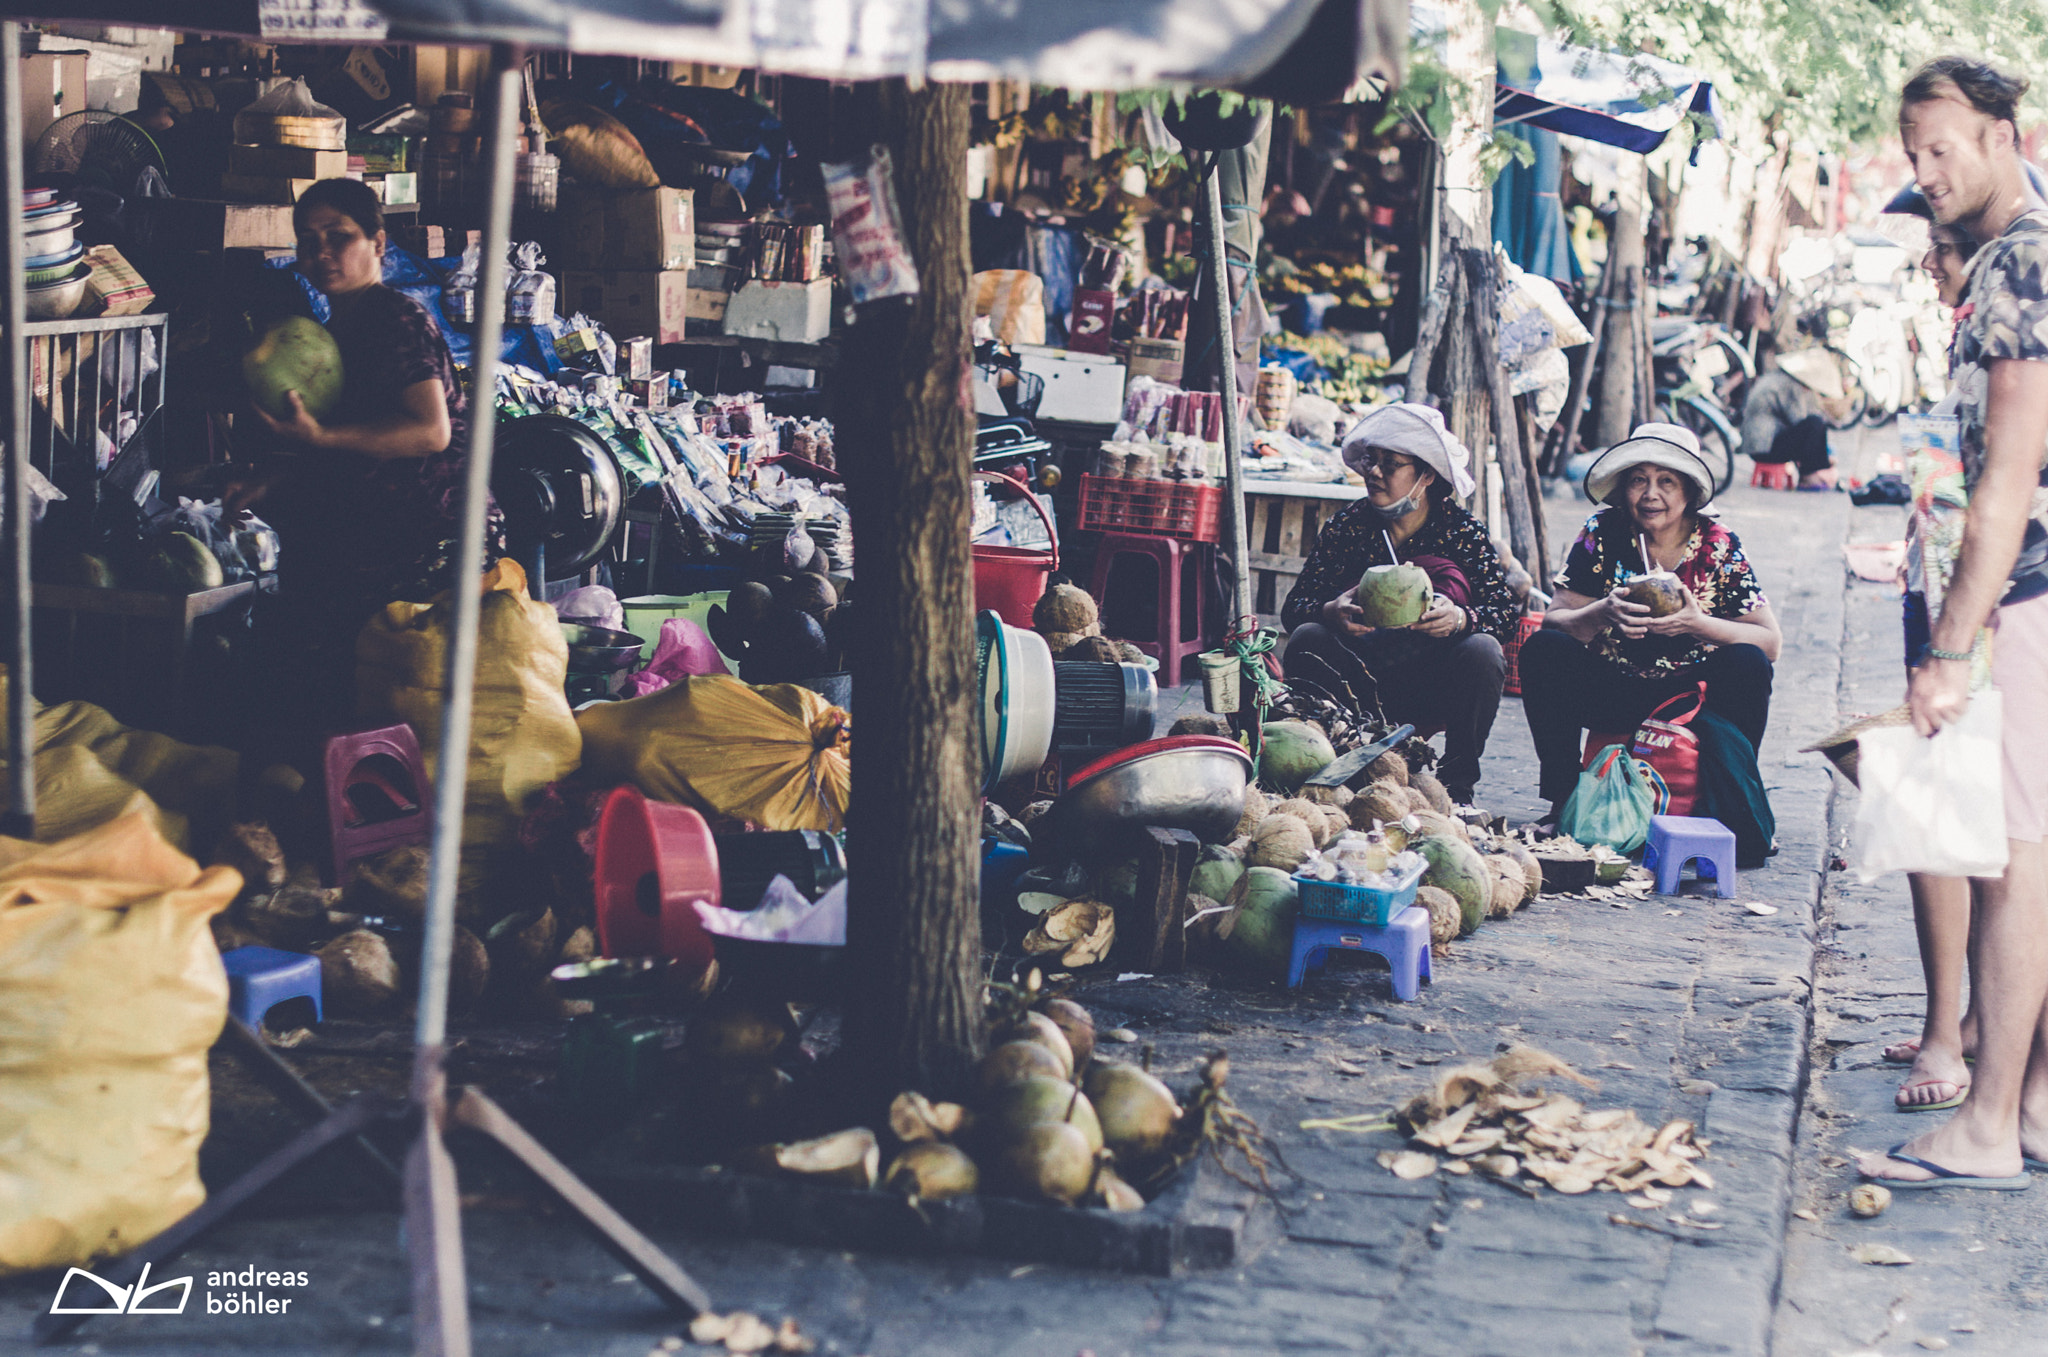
<point x="1621" y="99"/>
<point x="1302" y="50"/>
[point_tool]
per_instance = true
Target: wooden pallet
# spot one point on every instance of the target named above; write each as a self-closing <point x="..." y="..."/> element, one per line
<point x="1281" y="532"/>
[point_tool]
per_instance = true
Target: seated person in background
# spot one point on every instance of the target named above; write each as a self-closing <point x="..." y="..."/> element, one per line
<point x="1782" y="420"/>
<point x="1446" y="669"/>
<point x="1604" y="662"/>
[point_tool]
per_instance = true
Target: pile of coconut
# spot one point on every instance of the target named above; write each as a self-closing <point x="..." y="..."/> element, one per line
<point x="1244" y="895"/>
<point x="1048" y="1121"/>
<point x="1066" y="617"/>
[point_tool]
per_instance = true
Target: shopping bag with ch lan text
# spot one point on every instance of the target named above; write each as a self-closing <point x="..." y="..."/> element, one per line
<point x="1933" y="805"/>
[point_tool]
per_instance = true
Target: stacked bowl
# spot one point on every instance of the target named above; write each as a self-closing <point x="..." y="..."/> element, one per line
<point x="56" y="265"/>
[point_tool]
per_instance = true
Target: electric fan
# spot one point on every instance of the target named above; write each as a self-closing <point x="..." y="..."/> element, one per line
<point x="562" y="494"/>
<point x="98" y="149"/>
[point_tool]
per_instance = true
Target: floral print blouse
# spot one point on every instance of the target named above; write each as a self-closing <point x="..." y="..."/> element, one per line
<point x="1353" y="540"/>
<point x="1713" y="567"/>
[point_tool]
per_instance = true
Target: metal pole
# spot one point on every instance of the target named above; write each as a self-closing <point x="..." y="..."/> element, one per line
<point x="1226" y="343"/>
<point x="20" y="820"/>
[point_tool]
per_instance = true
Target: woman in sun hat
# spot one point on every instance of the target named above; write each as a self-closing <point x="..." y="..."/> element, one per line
<point x="1446" y="669"/>
<point x="1603" y="662"/>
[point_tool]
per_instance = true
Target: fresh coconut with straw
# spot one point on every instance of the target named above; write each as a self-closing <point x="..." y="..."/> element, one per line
<point x="1657" y="589"/>
<point x="1394" y="595"/>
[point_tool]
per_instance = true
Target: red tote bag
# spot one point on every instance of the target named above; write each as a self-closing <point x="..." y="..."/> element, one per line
<point x="1669" y="750"/>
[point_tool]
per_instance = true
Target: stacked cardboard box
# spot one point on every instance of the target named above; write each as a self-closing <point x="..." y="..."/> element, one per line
<point x="626" y="259"/>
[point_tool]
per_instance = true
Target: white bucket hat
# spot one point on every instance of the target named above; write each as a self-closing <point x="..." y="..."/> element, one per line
<point x="1414" y="431"/>
<point x="1672" y="446"/>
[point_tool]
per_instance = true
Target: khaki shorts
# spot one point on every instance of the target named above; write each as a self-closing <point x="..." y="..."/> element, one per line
<point x="2019" y="669"/>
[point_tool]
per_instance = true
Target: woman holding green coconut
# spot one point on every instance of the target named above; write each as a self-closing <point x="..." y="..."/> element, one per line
<point x="1604" y="659"/>
<point x="1445" y="667"/>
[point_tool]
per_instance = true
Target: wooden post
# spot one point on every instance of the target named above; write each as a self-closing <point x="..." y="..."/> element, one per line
<point x="1429" y="335"/>
<point x="1468" y="385"/>
<point x="1153" y="936"/>
<point x="906" y="437"/>
<point x="1507" y="432"/>
<point x="1525" y="424"/>
<point x="1621" y="350"/>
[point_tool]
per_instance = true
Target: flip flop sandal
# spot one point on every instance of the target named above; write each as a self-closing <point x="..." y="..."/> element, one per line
<point x="1942" y="1106"/>
<point x="1911" y="1048"/>
<point x="2037" y="1165"/>
<point x="1946" y="1177"/>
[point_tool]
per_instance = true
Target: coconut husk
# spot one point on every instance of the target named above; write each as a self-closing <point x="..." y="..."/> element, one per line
<point x="1445" y="918"/>
<point x="358" y="974"/>
<point x="1424" y="781"/>
<point x="251" y="849"/>
<point x="1508" y="885"/>
<point x="1256" y="808"/>
<point x="1065" y="607"/>
<point x="1311" y="814"/>
<point x="390" y="884"/>
<point x="1093" y="650"/>
<point x="1081" y="930"/>
<point x="1382" y="803"/>
<point x="851" y="1158"/>
<point x="1201" y="723"/>
<point x="1841" y="748"/>
<point x="1339" y="797"/>
<point x="1282" y="841"/>
<point x="1418" y="800"/>
<point x="1388" y="767"/>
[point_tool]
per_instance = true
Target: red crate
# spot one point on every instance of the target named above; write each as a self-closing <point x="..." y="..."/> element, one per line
<point x="1530" y="625"/>
<point x="1184" y="509"/>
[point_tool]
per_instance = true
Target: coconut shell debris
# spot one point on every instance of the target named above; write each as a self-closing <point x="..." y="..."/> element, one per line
<point x="1080" y="930"/>
<point x="1487" y="1116"/>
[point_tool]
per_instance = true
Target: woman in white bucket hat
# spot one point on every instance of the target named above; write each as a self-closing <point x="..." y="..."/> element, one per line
<point x="1603" y="662"/>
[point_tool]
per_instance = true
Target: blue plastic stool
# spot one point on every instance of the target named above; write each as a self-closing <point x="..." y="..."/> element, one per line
<point x="1678" y="839"/>
<point x="1404" y="942"/>
<point x="1001" y="864"/>
<point x="261" y="978"/>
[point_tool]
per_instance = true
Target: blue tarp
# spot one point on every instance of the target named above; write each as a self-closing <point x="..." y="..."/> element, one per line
<point x="1619" y="99"/>
<point x="1528" y="217"/>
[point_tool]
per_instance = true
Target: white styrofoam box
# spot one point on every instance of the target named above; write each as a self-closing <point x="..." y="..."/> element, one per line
<point x="1085" y="388"/>
<point x="781" y="378"/>
<point x="793" y="313"/>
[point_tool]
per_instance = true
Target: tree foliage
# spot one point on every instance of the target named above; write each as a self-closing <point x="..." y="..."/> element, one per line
<point x="1826" y="69"/>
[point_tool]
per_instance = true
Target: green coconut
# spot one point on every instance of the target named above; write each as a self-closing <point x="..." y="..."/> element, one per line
<point x="932" y="1170"/>
<point x="1261" y="932"/>
<point x="1014" y="1060"/>
<point x="1293" y="752"/>
<point x="1394" y="595"/>
<point x="1138" y="1112"/>
<point x="182" y="564"/>
<point x="1006" y="1111"/>
<point x="1077" y="1024"/>
<point x="1047" y="1033"/>
<point x="1050" y="1161"/>
<point x="1216" y="871"/>
<point x="294" y="354"/>
<point x="1456" y="866"/>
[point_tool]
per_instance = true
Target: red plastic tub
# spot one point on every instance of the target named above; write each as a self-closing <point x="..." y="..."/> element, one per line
<point x="1011" y="580"/>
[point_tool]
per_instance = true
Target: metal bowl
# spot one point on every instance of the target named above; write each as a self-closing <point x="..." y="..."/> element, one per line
<point x="599" y="650"/>
<point x="1191" y="782"/>
<point x="55" y="301"/>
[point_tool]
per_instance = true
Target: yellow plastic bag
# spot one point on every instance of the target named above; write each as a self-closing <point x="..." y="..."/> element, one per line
<point x="522" y="736"/>
<point x="111" y="993"/>
<point x="89" y="767"/>
<point x="774" y="756"/>
<point x="1014" y="302"/>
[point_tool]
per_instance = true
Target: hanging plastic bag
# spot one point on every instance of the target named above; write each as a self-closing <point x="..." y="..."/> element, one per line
<point x="1934" y="806"/>
<point x="774" y="756"/>
<point x="111" y="993"/>
<point x="867" y="228"/>
<point x="1611" y="804"/>
<point x="203" y="519"/>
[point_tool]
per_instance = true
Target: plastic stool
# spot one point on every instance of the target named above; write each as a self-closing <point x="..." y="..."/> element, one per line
<point x="378" y="795"/>
<point x="1172" y="645"/>
<point x="261" y="978"/>
<point x="1404" y="942"/>
<point x="1775" y="476"/>
<point x="1678" y="839"/>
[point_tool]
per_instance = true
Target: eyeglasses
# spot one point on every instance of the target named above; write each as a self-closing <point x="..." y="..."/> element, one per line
<point x="1384" y="462"/>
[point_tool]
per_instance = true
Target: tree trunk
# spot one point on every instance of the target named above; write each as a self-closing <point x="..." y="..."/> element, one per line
<point x="1516" y="499"/>
<point x="1620" y="349"/>
<point x="905" y="432"/>
<point x="1468" y="386"/>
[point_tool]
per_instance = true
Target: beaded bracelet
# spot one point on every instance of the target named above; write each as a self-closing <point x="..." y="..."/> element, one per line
<point x="1933" y="653"/>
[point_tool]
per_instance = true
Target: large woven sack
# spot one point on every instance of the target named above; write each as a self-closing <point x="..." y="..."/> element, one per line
<point x="111" y="993"/>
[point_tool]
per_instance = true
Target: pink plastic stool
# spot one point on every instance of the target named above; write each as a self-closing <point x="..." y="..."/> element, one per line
<point x="1775" y="476"/>
<point x="1176" y="631"/>
<point x="378" y="795"/>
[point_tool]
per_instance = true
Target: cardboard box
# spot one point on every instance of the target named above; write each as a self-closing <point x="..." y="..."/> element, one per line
<point x="1088" y="325"/>
<point x="1078" y="387"/>
<point x="793" y="313"/>
<point x="397" y="190"/>
<point x="264" y="188"/>
<point x="286" y="162"/>
<point x="52" y="86"/>
<point x="707" y="304"/>
<point x="435" y="242"/>
<point x="115" y="288"/>
<point x="636" y="359"/>
<point x="629" y="303"/>
<point x="648" y="229"/>
<point x="208" y="224"/>
<point x="1159" y="359"/>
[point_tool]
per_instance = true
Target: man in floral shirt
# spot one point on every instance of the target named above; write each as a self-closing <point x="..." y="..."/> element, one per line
<point x="1956" y="117"/>
<point x="1447" y="669"/>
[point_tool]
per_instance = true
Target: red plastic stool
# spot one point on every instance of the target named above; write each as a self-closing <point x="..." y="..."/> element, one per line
<point x="1775" y="476"/>
<point x="378" y="795"/>
<point x="1176" y="631"/>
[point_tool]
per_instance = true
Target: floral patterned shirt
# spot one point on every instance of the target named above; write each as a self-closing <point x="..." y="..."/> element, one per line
<point x="1713" y="567"/>
<point x="1352" y="540"/>
<point x="2007" y="318"/>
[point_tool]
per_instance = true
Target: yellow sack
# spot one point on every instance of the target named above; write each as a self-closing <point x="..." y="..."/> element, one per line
<point x="774" y="756"/>
<point x="522" y="733"/>
<point x="111" y="993"/>
<point x="89" y="767"/>
<point x="1014" y="302"/>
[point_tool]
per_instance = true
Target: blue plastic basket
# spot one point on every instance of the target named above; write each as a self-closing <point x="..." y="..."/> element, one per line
<point x="1374" y="905"/>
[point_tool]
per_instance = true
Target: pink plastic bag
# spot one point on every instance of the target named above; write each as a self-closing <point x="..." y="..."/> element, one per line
<point x="684" y="650"/>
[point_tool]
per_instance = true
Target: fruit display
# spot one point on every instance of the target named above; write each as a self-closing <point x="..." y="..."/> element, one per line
<point x="787" y="627"/>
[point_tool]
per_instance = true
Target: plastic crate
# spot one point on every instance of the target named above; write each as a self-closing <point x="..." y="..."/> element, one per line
<point x="1186" y="509"/>
<point x="1531" y="624"/>
<point x="1374" y="905"/>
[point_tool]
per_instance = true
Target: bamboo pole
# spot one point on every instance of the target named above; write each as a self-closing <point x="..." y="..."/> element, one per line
<point x="1226" y="385"/>
<point x="20" y="820"/>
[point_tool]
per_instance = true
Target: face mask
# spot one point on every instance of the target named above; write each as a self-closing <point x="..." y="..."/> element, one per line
<point x="1401" y="507"/>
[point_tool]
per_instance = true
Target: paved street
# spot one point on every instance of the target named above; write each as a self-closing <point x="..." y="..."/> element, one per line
<point x="1683" y="1007"/>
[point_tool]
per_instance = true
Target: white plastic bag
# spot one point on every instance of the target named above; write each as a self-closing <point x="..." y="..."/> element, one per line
<point x="1934" y="806"/>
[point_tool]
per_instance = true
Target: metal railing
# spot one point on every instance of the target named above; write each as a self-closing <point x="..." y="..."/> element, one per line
<point x="92" y="379"/>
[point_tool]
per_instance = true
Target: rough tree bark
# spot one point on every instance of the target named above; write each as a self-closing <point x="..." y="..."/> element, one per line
<point x="905" y="433"/>
<point x="1615" y="414"/>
